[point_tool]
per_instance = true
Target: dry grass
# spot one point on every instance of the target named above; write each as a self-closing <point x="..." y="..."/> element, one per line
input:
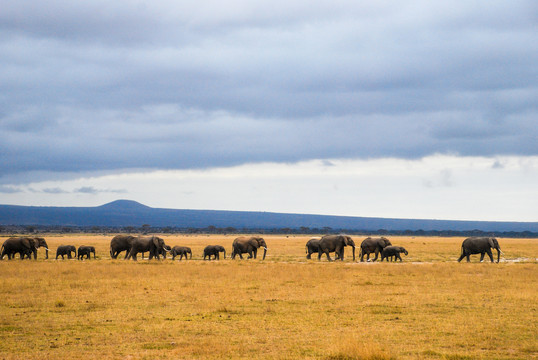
<point x="428" y="307"/>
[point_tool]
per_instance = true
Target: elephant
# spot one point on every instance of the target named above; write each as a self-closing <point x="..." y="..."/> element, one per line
<point x="393" y="251"/>
<point x="85" y="251"/>
<point x="480" y="245"/>
<point x="210" y="250"/>
<point x="65" y="250"/>
<point x="373" y="245"/>
<point x="249" y="245"/>
<point x="155" y="245"/>
<point x="162" y="252"/>
<point x="312" y="246"/>
<point x="336" y="244"/>
<point x="181" y="251"/>
<point x="25" y="246"/>
<point x="121" y="243"/>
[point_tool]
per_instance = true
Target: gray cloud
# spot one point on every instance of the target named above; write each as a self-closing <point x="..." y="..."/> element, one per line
<point x="112" y="86"/>
<point x="93" y="190"/>
<point x="55" y="190"/>
<point x="9" y="189"/>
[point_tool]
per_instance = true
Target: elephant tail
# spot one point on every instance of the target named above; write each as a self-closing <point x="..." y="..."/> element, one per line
<point x="2" y="252"/>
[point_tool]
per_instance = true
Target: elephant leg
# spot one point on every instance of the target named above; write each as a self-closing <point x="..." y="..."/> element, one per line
<point x="328" y="256"/>
<point x="255" y="252"/>
<point x="490" y="254"/>
<point x="468" y="257"/>
<point x="482" y="256"/>
<point x="398" y="257"/>
<point x="217" y="256"/>
<point x="376" y="254"/>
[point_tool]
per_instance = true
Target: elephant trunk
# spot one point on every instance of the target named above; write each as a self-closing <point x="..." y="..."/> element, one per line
<point x="225" y="253"/>
<point x="498" y="253"/>
<point x="264" y="252"/>
<point x="353" y="253"/>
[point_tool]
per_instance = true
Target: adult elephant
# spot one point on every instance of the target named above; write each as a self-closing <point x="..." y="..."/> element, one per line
<point x="214" y="250"/>
<point x="250" y="245"/>
<point x="393" y="251"/>
<point x="65" y="250"/>
<point x="25" y="246"/>
<point x="373" y="245"/>
<point x="85" y="251"/>
<point x="121" y="243"/>
<point x="312" y="246"/>
<point x="141" y="244"/>
<point x="479" y="245"/>
<point x="181" y="251"/>
<point x="336" y="244"/>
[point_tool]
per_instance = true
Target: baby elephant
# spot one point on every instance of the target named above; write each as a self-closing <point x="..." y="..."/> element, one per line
<point x="180" y="251"/>
<point x="214" y="250"/>
<point x="85" y="251"/>
<point x="65" y="250"/>
<point x="391" y="251"/>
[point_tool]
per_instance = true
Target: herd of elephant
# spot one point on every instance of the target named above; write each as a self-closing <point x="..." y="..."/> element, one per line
<point x="134" y="245"/>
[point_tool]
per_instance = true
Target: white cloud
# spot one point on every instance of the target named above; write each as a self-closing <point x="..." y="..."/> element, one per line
<point x="463" y="188"/>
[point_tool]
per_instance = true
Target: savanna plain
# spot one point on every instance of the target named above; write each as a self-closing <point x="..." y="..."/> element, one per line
<point x="284" y="307"/>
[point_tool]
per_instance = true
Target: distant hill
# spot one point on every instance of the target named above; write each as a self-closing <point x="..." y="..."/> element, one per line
<point x="132" y="213"/>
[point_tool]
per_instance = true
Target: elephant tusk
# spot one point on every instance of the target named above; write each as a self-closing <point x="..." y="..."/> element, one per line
<point x="265" y="248"/>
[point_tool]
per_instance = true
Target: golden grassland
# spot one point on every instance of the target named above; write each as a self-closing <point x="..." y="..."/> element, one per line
<point x="286" y="307"/>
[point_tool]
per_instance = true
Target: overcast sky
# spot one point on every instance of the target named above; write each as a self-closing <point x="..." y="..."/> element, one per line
<point x="374" y="108"/>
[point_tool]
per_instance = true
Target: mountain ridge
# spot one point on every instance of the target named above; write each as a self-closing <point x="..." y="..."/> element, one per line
<point x="132" y="213"/>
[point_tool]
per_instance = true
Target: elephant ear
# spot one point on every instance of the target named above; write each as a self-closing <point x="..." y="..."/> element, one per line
<point x="491" y="243"/>
<point x="26" y="243"/>
<point x="155" y="240"/>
